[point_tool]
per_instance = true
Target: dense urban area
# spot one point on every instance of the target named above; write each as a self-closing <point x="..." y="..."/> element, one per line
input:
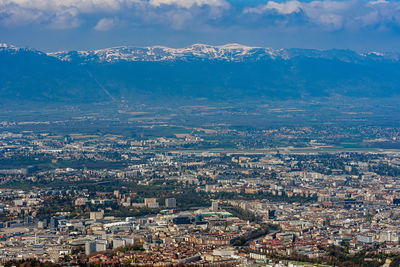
<point x="150" y="187"/>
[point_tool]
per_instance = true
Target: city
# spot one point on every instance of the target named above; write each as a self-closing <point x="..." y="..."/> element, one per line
<point x="103" y="198"/>
<point x="204" y="133"/>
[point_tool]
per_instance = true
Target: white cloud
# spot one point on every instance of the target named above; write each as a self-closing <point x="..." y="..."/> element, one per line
<point x="282" y="8"/>
<point x="105" y="24"/>
<point x="19" y="16"/>
<point x="377" y="2"/>
<point x="91" y="6"/>
<point x="335" y="14"/>
<point x="84" y="6"/>
<point x="58" y="14"/>
<point x="190" y="3"/>
<point x="178" y="14"/>
<point x="329" y="13"/>
<point x="65" y="19"/>
<point x="71" y="13"/>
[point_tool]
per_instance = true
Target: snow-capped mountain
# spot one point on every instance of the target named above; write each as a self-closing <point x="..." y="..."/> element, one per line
<point x="230" y="71"/>
<point x="7" y="47"/>
<point x="12" y="50"/>
<point x="228" y="52"/>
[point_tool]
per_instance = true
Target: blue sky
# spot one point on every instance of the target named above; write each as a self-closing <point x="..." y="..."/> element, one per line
<point x="52" y="25"/>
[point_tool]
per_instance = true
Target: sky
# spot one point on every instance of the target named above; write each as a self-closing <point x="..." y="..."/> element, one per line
<point x="54" y="25"/>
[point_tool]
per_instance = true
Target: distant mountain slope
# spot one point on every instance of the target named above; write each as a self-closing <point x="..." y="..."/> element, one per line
<point x="216" y="72"/>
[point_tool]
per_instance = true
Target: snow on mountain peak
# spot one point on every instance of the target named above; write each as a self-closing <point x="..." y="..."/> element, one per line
<point x="238" y="46"/>
<point x="228" y="52"/>
<point x="231" y="52"/>
<point x="7" y="46"/>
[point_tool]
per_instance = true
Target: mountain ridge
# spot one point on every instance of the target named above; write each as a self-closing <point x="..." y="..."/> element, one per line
<point x="228" y="52"/>
<point x="231" y="72"/>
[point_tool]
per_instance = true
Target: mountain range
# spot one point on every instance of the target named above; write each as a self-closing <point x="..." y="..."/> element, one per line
<point x="231" y="71"/>
<point x="229" y="52"/>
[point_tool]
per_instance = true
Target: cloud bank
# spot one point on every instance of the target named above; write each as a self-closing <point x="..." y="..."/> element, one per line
<point x="334" y="14"/>
<point x="64" y="14"/>
<point x="296" y="21"/>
